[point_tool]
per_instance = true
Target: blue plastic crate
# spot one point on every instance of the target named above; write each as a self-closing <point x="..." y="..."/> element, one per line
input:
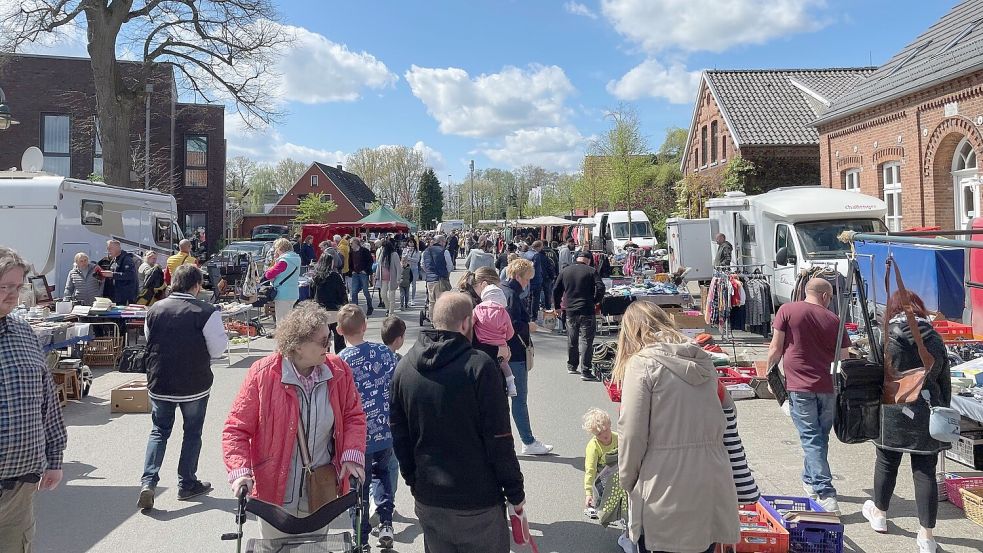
<point x="805" y="537"/>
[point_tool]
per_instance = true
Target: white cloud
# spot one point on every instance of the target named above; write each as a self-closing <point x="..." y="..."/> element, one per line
<point x="710" y="25"/>
<point x="433" y="158"/>
<point x="652" y="79"/>
<point x="554" y="148"/>
<point x="317" y="70"/>
<point x="492" y="104"/>
<point x="268" y="145"/>
<point x="576" y="8"/>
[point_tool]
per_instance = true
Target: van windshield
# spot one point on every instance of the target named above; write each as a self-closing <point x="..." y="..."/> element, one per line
<point x="639" y="229"/>
<point x="819" y="239"/>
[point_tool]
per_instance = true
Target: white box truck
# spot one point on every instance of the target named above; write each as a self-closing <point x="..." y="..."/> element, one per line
<point x="786" y="230"/>
<point x="48" y="219"/>
<point x="689" y="244"/>
<point x="610" y="231"/>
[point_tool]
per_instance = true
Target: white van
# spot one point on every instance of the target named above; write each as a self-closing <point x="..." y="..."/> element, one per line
<point x="789" y="229"/>
<point x="688" y="241"/>
<point x="48" y="219"/>
<point x="610" y="231"/>
<point x="450" y="225"/>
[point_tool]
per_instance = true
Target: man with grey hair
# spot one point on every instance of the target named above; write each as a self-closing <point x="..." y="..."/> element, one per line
<point x="34" y="437"/>
<point x="123" y="272"/>
<point x="453" y="437"/>
<point x="183" y="335"/>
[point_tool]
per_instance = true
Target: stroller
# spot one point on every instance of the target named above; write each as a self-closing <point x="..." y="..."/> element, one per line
<point x="304" y="538"/>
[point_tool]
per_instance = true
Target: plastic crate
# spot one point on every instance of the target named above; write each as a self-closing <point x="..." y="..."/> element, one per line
<point x="968" y="450"/>
<point x="953" y="331"/>
<point x="805" y="537"/>
<point x="728" y="376"/>
<point x="771" y="538"/>
<point x="955" y="482"/>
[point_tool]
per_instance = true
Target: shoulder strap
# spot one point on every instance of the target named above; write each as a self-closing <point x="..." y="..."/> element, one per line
<point x="927" y="360"/>
<point x="305" y="453"/>
<point x="287" y="277"/>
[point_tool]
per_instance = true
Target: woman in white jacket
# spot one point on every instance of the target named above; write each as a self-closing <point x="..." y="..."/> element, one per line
<point x="672" y="459"/>
<point x="411" y="254"/>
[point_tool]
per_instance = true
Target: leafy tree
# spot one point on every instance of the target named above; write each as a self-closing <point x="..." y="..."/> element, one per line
<point x="222" y="50"/>
<point x="430" y="196"/>
<point x="626" y="156"/>
<point x="286" y="172"/>
<point x="736" y="173"/>
<point x="314" y="208"/>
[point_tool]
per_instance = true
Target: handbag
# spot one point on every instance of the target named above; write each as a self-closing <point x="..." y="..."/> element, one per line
<point x="134" y="359"/>
<point x="321" y="482"/>
<point x="776" y="381"/>
<point x="903" y="387"/>
<point x="530" y="352"/>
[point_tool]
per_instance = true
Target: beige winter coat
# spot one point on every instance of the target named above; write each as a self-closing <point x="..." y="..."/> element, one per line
<point x="672" y="458"/>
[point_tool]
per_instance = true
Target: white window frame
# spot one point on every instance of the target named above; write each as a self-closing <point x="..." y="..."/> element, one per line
<point x="313" y="181"/>
<point x="57" y="161"/>
<point x="891" y="175"/>
<point x="851" y="180"/>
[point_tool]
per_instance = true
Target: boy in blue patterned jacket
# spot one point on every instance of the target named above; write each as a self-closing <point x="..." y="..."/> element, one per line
<point x="372" y="366"/>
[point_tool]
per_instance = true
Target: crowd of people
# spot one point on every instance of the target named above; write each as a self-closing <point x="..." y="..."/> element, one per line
<point x="306" y="420"/>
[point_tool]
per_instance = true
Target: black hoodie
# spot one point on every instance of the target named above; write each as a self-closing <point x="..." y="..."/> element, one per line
<point x="451" y="428"/>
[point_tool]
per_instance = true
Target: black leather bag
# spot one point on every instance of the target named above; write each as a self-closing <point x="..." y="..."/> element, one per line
<point x="859" y="383"/>
<point x="776" y="382"/>
<point x="133" y="360"/>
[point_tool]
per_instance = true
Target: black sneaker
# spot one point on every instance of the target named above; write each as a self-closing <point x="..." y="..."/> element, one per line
<point x="200" y="488"/>
<point x="572" y="370"/>
<point x="146" y="500"/>
<point x="588" y="377"/>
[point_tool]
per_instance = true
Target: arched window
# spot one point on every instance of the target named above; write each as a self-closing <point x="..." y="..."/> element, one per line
<point x="713" y="142"/>
<point x="965" y="157"/>
<point x="891" y="175"/>
<point x="851" y="180"/>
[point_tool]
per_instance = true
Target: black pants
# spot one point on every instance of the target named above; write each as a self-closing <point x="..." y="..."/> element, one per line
<point x="580" y="341"/>
<point x="339" y="340"/>
<point x="641" y="547"/>
<point x="926" y="487"/>
<point x="548" y="294"/>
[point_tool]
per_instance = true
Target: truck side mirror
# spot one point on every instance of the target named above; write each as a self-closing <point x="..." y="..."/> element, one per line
<point x="781" y="256"/>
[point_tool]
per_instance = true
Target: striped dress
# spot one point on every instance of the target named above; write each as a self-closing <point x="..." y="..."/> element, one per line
<point x="747" y="488"/>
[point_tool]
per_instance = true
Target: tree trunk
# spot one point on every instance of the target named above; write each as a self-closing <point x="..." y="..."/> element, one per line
<point x="114" y="102"/>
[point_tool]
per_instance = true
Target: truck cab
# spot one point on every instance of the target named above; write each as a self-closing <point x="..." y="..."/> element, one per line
<point x="611" y="231"/>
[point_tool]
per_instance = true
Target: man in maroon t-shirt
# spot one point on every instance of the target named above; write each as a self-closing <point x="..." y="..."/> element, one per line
<point x="806" y="338"/>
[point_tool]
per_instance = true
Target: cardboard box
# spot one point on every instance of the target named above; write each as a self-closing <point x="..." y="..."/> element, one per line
<point x="132" y="397"/>
<point x="689" y="321"/>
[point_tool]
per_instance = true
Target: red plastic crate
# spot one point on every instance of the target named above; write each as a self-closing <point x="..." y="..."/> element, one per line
<point x="728" y="376"/>
<point x="953" y="331"/>
<point x="954" y="482"/>
<point x="773" y="538"/>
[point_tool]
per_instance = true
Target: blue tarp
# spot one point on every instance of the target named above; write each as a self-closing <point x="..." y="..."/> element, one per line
<point x="935" y="274"/>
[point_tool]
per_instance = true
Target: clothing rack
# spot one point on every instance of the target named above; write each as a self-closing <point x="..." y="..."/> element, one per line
<point x="743" y="270"/>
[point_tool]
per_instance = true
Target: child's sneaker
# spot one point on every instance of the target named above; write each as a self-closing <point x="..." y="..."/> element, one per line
<point x="510" y="386"/>
<point x="590" y="513"/>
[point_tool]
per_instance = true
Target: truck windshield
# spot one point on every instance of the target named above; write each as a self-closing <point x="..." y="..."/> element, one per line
<point x="819" y="239"/>
<point x="639" y="229"/>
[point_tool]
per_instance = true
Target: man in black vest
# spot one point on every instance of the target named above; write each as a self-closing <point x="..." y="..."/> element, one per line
<point x="183" y="335"/>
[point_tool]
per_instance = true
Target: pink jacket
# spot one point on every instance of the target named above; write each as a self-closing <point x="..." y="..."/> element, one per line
<point x="492" y="324"/>
<point x="261" y="432"/>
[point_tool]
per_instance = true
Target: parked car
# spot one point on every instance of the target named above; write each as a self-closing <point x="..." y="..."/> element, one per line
<point x="233" y="260"/>
<point x="269" y="233"/>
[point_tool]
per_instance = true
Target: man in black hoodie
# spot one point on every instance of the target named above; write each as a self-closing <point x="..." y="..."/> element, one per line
<point x="453" y="438"/>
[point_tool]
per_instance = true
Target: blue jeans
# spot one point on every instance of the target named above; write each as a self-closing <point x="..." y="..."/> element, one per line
<point x="162" y="415"/>
<point x="360" y="283"/>
<point x="520" y="406"/>
<point x="377" y="467"/>
<point x="812" y="414"/>
<point x="379" y="492"/>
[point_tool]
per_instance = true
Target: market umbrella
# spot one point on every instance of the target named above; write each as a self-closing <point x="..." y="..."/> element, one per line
<point x="386" y="215"/>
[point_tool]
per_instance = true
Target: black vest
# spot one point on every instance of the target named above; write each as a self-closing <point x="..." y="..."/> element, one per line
<point x="178" y="364"/>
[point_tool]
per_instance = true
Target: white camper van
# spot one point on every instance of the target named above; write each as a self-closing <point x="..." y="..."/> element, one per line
<point x="688" y="241"/>
<point x="448" y="226"/>
<point x="610" y="230"/>
<point x="789" y="229"/>
<point x="48" y="219"/>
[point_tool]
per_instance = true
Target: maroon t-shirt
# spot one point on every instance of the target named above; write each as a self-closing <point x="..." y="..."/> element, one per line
<point x="810" y="345"/>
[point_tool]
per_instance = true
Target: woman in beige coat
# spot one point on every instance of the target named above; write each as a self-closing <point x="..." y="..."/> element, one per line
<point x="672" y="458"/>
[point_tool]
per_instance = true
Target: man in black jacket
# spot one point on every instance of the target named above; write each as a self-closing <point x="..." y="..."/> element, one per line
<point x="453" y="437"/>
<point x="183" y="335"/>
<point x="584" y="290"/>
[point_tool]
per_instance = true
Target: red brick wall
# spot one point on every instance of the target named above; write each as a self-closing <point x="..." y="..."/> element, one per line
<point x="208" y="121"/>
<point x="915" y="131"/>
<point x="345" y="212"/>
<point x="707" y="112"/>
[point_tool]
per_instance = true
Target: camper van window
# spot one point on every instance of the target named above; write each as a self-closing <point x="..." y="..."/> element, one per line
<point x="639" y="229"/>
<point x="783" y="240"/>
<point x="162" y="231"/>
<point x="819" y="239"/>
<point x="91" y="212"/>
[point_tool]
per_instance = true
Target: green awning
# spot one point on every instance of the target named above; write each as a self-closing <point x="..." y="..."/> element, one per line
<point x="386" y="215"/>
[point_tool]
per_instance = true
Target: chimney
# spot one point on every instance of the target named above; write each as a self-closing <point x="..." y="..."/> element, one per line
<point x="339" y="167"/>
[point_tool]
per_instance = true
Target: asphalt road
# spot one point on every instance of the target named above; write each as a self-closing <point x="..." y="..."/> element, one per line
<point x="95" y="508"/>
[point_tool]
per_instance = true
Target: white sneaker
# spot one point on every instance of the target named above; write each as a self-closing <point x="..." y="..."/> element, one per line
<point x="926" y="545"/>
<point x="386" y="536"/>
<point x="626" y="545"/>
<point x="510" y="385"/>
<point x="877" y="522"/>
<point x="810" y="493"/>
<point x="830" y="505"/>
<point x="536" y="448"/>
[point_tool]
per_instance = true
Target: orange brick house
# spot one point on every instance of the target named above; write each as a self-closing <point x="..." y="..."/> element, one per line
<point x="912" y="132"/>
<point x="346" y="190"/>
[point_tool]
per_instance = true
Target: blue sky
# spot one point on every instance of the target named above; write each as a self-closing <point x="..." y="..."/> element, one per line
<point x="514" y="82"/>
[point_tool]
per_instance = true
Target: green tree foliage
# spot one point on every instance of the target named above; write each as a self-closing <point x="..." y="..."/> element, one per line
<point x="314" y="208"/>
<point x="430" y="196"/>
<point x="736" y="173"/>
<point x="625" y="152"/>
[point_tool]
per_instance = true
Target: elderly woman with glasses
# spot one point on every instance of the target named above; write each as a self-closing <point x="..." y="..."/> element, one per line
<point x="298" y="384"/>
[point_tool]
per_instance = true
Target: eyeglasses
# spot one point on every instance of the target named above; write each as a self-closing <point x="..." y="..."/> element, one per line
<point x="9" y="288"/>
<point x="325" y="342"/>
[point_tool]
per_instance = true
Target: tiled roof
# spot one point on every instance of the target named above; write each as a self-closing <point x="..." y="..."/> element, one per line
<point x="351" y="185"/>
<point x="767" y="107"/>
<point x="953" y="46"/>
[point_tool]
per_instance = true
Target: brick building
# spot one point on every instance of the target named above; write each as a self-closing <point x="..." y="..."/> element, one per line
<point x="346" y="190"/>
<point x="765" y="117"/>
<point x="912" y="132"/>
<point x="53" y="98"/>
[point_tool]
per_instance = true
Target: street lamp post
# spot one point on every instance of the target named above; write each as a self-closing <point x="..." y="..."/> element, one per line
<point x="6" y="119"/>
<point x="472" y="193"/>
<point x="449" y="198"/>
